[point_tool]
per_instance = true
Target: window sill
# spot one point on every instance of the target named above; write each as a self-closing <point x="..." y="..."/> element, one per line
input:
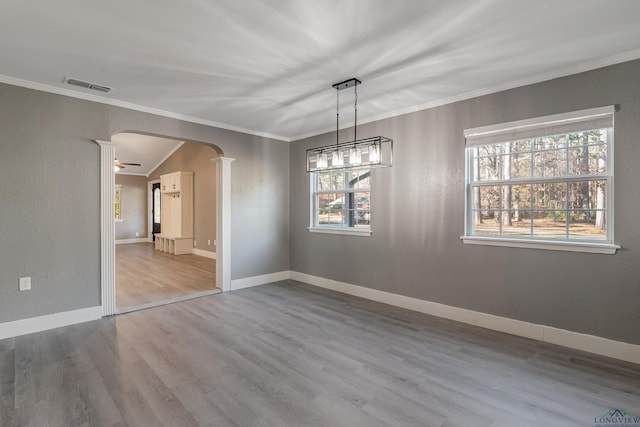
<point x="335" y="230"/>
<point x="590" y="247"/>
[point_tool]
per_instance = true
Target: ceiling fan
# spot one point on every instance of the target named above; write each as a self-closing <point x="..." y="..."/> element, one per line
<point x="120" y="165"/>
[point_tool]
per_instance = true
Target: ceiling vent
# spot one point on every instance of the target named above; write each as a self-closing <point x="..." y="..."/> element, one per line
<point x="87" y="85"/>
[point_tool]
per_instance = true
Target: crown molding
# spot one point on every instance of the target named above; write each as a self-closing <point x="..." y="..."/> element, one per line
<point x="132" y="174"/>
<point x="164" y="159"/>
<point x="131" y="106"/>
<point x="550" y="75"/>
<point x="538" y="78"/>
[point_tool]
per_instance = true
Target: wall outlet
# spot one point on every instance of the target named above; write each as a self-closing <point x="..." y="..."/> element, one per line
<point x="195" y="243"/>
<point x="137" y="234"/>
<point x="209" y="242"/>
<point x="214" y="243"/>
<point x="25" y="283"/>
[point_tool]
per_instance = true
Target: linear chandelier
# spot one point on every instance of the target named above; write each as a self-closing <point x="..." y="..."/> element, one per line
<point x="375" y="151"/>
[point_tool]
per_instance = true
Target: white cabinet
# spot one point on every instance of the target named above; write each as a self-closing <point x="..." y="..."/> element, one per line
<point x="172" y="182"/>
<point x="176" y="215"/>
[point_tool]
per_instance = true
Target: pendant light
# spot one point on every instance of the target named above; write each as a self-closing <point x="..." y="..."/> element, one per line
<point x="376" y="151"/>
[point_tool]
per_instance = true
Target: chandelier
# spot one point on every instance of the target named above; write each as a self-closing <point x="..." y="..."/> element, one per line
<point x="375" y="151"/>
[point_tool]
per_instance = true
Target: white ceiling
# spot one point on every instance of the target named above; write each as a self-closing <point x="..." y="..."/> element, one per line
<point x="267" y="66"/>
<point x="150" y="151"/>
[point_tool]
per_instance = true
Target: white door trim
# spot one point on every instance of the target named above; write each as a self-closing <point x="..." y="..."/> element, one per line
<point x="150" y="208"/>
<point x="223" y="222"/>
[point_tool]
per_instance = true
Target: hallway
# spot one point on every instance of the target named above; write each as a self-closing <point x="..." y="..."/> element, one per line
<point x="144" y="275"/>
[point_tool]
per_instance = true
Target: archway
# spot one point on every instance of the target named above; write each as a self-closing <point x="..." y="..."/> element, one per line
<point x="107" y="225"/>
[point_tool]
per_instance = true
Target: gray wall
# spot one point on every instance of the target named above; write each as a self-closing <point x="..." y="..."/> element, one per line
<point x="259" y="217"/>
<point x="196" y="158"/>
<point x="49" y="216"/>
<point x="418" y="217"/>
<point x="133" y="207"/>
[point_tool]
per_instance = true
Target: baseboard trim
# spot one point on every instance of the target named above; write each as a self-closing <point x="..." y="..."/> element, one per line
<point x="249" y="282"/>
<point x="50" y="321"/>
<point x="575" y="340"/>
<point x="202" y="252"/>
<point x="127" y="241"/>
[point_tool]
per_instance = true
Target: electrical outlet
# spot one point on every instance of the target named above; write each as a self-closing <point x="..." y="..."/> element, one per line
<point x="214" y="243"/>
<point x="195" y="243"/>
<point x="209" y="242"/>
<point x="137" y="234"/>
<point x="25" y="283"/>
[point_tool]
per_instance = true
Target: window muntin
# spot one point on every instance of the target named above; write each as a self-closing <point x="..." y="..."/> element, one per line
<point x="554" y="187"/>
<point x="341" y="199"/>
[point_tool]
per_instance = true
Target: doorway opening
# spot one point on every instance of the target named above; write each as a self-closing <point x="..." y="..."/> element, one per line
<point x="199" y="270"/>
<point x="156" y="209"/>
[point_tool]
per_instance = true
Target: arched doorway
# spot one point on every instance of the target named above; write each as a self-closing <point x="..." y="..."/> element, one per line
<point x="107" y="225"/>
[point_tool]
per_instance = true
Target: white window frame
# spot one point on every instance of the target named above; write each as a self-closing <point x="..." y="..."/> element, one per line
<point x="530" y="128"/>
<point x="314" y="227"/>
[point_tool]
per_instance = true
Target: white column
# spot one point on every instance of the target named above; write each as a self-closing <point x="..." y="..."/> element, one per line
<point x="223" y="222"/>
<point x="107" y="228"/>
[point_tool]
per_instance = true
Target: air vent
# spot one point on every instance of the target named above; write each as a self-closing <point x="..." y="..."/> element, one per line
<point x="87" y="85"/>
<point x="100" y="88"/>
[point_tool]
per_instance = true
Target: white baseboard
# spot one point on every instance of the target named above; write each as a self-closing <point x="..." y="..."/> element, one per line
<point x="50" y="321"/>
<point x="202" y="252"/>
<point x="249" y="282"/>
<point x="575" y="340"/>
<point x="127" y="241"/>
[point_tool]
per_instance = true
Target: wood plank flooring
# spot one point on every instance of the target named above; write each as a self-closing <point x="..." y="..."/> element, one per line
<point x="144" y="275"/>
<point x="289" y="354"/>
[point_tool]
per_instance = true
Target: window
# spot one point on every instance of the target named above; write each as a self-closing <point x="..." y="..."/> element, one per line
<point x="117" y="202"/>
<point x="341" y="202"/>
<point x="156" y="205"/>
<point x="545" y="183"/>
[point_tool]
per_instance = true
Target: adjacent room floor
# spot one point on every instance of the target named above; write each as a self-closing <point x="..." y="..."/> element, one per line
<point x="146" y="276"/>
<point x="289" y="354"/>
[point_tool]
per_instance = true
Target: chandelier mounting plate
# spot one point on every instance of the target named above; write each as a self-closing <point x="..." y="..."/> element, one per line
<point x="346" y="84"/>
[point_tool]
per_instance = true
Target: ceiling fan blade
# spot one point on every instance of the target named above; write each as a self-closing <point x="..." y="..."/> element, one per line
<point x="129" y="164"/>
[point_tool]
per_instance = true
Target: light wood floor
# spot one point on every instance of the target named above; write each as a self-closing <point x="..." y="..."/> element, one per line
<point x="289" y="354"/>
<point x="144" y="275"/>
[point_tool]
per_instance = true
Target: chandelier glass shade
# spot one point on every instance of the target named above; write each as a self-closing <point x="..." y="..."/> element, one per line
<point x="376" y="151"/>
<point x="371" y="152"/>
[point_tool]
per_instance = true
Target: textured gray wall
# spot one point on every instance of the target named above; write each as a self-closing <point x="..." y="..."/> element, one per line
<point x="49" y="217"/>
<point x="49" y="209"/>
<point x="418" y="217"/>
<point x="133" y="207"/>
<point x="196" y="158"/>
<point x="259" y="217"/>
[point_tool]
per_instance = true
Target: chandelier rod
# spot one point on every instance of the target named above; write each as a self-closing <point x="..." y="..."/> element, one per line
<point x="355" y="108"/>
<point x="337" y="114"/>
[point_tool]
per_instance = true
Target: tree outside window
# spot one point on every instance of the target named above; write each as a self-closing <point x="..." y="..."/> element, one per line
<point x="117" y="204"/>
<point x="342" y="199"/>
<point x="552" y="187"/>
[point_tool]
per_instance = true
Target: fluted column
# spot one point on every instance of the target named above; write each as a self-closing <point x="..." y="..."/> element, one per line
<point x="107" y="228"/>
